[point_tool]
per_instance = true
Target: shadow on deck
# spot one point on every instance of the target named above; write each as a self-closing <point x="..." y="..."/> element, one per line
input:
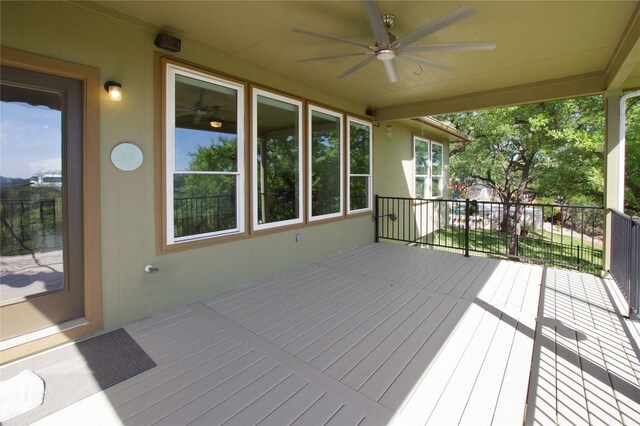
<point x="385" y="334"/>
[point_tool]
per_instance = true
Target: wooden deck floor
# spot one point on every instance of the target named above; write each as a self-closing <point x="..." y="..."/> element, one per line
<point x="385" y="334"/>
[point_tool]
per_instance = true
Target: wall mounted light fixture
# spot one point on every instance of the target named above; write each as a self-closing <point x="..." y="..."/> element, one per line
<point x="114" y="89"/>
<point x="215" y="124"/>
<point x="389" y="132"/>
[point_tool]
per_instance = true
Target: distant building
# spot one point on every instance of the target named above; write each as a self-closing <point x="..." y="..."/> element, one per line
<point x="481" y="192"/>
<point x="51" y="180"/>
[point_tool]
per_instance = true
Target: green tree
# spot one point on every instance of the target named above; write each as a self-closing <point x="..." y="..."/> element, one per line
<point x="325" y="171"/>
<point x="632" y="166"/>
<point x="541" y="151"/>
<point x="207" y="202"/>
<point x="278" y="177"/>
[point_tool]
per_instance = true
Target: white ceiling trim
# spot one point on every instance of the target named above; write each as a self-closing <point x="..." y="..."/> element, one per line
<point x="627" y="54"/>
<point x="567" y="87"/>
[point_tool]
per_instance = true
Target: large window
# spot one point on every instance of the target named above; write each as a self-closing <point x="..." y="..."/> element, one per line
<point x="325" y="164"/>
<point x="277" y="160"/>
<point x="289" y="177"/>
<point x="359" y="165"/>
<point x="428" y="168"/>
<point x="436" y="170"/>
<point x="204" y="155"/>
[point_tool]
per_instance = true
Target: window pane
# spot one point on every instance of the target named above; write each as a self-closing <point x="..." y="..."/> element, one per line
<point x="199" y="107"/>
<point x="436" y="160"/>
<point x="359" y="192"/>
<point x="31" y="237"/>
<point x="421" y="157"/>
<point x="436" y="187"/>
<point x="278" y="171"/>
<point x="203" y="204"/>
<point x="359" y="148"/>
<point x="325" y="164"/>
<point x="420" y="187"/>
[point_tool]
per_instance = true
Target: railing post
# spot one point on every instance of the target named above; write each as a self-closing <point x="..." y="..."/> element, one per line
<point x="466" y="227"/>
<point x="634" y="269"/>
<point x="375" y="219"/>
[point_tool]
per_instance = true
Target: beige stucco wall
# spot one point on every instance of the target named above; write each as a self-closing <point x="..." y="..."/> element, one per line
<point x="393" y="168"/>
<point x="125" y="52"/>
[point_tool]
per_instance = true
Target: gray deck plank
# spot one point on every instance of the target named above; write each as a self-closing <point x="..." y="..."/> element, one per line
<point x="190" y="366"/>
<point x="291" y="409"/>
<point x="595" y="381"/>
<point x="307" y="305"/>
<point x="513" y="394"/>
<point x="337" y="361"/>
<point x="455" y="396"/>
<point x="159" y="401"/>
<point x="420" y="403"/>
<point x="275" y="292"/>
<point x="209" y="391"/>
<point x="320" y="412"/>
<point x="304" y="321"/>
<point x="490" y="376"/>
<point x="379" y="298"/>
<point x="363" y="322"/>
<point x="254" y="293"/>
<point x="210" y="408"/>
<point x="266" y="404"/>
<point x="346" y="416"/>
<point x="434" y="309"/>
<point x="385" y="334"/>
<point x="409" y="378"/>
<point x="404" y="353"/>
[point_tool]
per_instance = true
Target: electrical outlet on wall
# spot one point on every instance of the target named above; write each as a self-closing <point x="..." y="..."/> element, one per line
<point x="298" y="237"/>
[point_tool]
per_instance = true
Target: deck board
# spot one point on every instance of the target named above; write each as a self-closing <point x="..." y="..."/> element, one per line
<point x="583" y="372"/>
<point x="385" y="334"/>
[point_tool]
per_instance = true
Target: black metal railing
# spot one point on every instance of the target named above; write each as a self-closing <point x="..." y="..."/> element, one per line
<point x="560" y="235"/>
<point x="200" y="215"/>
<point x="27" y="225"/>
<point x="277" y="206"/>
<point x="625" y="257"/>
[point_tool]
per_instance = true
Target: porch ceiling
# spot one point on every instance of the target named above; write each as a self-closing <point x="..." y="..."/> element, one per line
<point x="545" y="49"/>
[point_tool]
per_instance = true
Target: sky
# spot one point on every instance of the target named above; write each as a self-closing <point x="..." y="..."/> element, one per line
<point x="188" y="140"/>
<point x="30" y="140"/>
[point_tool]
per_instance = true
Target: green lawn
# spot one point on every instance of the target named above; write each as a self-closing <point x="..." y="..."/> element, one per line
<point x="563" y="251"/>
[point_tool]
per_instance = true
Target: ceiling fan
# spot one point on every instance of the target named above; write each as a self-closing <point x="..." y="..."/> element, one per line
<point x="197" y="110"/>
<point x="200" y="110"/>
<point x="387" y="47"/>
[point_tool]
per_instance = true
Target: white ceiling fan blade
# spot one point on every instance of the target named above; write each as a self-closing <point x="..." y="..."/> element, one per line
<point x="345" y="55"/>
<point x="375" y="20"/>
<point x="331" y="37"/>
<point x="421" y="60"/>
<point x="434" y="26"/>
<point x="392" y="72"/>
<point x="440" y="47"/>
<point x="357" y="67"/>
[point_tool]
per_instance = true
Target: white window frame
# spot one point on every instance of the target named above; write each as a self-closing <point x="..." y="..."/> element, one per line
<point x="350" y="175"/>
<point x="441" y="175"/>
<point x="340" y="117"/>
<point x="255" y="92"/>
<point x="171" y="71"/>
<point x="428" y="178"/>
<point x="427" y="184"/>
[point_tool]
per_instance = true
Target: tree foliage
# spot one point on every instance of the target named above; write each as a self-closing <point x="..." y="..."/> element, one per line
<point x="325" y="171"/>
<point x="278" y="178"/>
<point x="632" y="181"/>
<point x="544" y="151"/>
